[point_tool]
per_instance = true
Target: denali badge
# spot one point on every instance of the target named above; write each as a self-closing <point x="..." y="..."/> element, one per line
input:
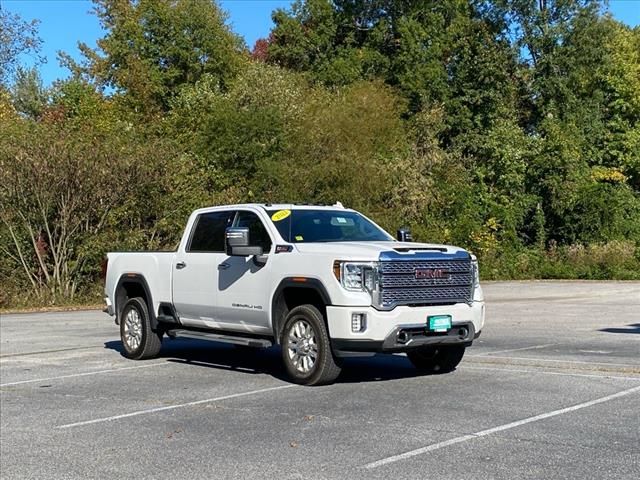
<point x="432" y="273"/>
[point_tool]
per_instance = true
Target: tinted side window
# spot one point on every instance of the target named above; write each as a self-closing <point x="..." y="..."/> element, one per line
<point x="258" y="234"/>
<point x="208" y="235"/>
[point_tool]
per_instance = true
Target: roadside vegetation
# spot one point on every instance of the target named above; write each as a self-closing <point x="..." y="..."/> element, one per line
<point x="510" y="127"/>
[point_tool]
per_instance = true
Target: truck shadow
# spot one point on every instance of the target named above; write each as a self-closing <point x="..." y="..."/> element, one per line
<point x="251" y="361"/>
<point x="632" y="328"/>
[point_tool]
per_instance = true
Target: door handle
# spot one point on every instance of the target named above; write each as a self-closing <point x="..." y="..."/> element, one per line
<point x="223" y="266"/>
<point x="180" y="265"/>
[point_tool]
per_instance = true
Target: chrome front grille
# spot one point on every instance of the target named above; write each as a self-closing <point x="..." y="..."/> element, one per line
<point x="399" y="284"/>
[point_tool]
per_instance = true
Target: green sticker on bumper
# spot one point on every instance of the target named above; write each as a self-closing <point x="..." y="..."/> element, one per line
<point x="439" y="323"/>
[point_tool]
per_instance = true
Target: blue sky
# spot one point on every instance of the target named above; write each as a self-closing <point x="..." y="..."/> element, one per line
<point x="65" y="22"/>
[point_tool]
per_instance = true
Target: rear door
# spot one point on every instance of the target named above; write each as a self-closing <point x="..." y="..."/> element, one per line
<point x="243" y="298"/>
<point x="195" y="269"/>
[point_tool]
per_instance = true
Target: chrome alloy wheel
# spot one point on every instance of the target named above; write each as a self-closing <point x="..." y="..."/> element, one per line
<point x="133" y="329"/>
<point x="302" y="347"/>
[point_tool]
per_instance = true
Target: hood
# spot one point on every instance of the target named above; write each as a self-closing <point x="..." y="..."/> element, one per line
<point x="371" y="251"/>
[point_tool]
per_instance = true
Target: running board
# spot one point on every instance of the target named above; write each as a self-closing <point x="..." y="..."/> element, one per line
<point x="220" y="337"/>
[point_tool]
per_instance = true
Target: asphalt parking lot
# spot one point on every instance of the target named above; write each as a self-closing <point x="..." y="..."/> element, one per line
<point x="550" y="390"/>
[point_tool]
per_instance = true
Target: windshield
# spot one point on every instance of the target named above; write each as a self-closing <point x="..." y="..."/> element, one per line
<point x="299" y="226"/>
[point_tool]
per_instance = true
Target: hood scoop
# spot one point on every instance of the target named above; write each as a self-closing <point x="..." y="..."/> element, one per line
<point x="420" y="249"/>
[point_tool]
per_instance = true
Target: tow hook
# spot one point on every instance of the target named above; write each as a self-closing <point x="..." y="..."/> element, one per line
<point x="403" y="337"/>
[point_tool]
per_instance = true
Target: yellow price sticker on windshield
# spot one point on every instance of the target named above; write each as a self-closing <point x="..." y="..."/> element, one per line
<point x="280" y="215"/>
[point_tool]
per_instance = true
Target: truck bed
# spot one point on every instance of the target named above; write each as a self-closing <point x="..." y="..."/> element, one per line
<point x="154" y="267"/>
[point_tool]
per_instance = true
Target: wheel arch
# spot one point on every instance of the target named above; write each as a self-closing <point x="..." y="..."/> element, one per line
<point x="131" y="285"/>
<point x="292" y="292"/>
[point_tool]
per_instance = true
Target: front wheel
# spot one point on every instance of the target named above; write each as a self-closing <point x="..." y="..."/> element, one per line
<point x="440" y="359"/>
<point x="306" y="349"/>
<point x="138" y="339"/>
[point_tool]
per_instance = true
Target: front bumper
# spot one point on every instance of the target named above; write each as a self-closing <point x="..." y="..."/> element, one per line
<point x="402" y="339"/>
<point x="403" y="328"/>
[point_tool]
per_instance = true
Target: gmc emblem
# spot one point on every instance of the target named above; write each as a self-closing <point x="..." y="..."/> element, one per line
<point x="432" y="273"/>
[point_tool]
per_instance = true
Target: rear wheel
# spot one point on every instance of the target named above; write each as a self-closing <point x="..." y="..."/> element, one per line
<point x="440" y="359"/>
<point x="306" y="349"/>
<point x="138" y="339"/>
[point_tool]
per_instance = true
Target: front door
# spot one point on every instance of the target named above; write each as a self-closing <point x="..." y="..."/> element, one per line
<point x="243" y="295"/>
<point x="195" y="270"/>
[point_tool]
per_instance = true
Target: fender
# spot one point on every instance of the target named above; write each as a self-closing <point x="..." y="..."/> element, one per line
<point x="137" y="279"/>
<point x="278" y="307"/>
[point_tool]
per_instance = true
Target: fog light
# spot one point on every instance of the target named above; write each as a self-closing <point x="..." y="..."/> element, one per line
<point x="358" y="322"/>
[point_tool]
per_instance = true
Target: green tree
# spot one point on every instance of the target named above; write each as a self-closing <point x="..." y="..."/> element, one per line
<point x="17" y="37"/>
<point x="153" y="47"/>
<point x="621" y="84"/>
<point x="560" y="42"/>
<point x="343" y="147"/>
<point x="232" y="133"/>
<point x="28" y="94"/>
<point x="415" y="44"/>
<point x="77" y="101"/>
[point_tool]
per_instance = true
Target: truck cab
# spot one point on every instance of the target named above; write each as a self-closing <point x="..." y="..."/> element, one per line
<point x="323" y="282"/>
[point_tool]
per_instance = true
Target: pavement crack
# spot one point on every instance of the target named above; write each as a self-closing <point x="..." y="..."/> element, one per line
<point x="44" y="352"/>
<point x="556" y="364"/>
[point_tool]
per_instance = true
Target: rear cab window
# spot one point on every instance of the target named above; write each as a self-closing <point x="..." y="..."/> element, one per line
<point x="209" y="231"/>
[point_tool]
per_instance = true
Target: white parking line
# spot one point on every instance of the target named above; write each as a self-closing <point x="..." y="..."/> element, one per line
<point x="546" y="372"/>
<point x="534" y="347"/>
<point x="173" y="407"/>
<point x="501" y="428"/>
<point x="84" y="374"/>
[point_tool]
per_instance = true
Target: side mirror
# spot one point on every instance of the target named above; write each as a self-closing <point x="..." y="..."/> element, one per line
<point x="404" y="234"/>
<point x="237" y="243"/>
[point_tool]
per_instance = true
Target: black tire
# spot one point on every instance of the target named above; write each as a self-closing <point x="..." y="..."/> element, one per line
<point x="324" y="369"/>
<point x="440" y="359"/>
<point x="148" y="342"/>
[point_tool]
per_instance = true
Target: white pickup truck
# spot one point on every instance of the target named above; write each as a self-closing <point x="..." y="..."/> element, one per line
<point x="323" y="282"/>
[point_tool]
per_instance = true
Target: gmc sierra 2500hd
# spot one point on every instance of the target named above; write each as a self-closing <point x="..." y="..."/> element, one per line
<point x="323" y="282"/>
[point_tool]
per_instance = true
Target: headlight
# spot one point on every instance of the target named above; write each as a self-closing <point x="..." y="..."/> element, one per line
<point x="356" y="276"/>
<point x="476" y="271"/>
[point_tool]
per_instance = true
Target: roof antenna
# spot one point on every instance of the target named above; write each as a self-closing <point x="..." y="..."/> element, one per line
<point x="339" y="205"/>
